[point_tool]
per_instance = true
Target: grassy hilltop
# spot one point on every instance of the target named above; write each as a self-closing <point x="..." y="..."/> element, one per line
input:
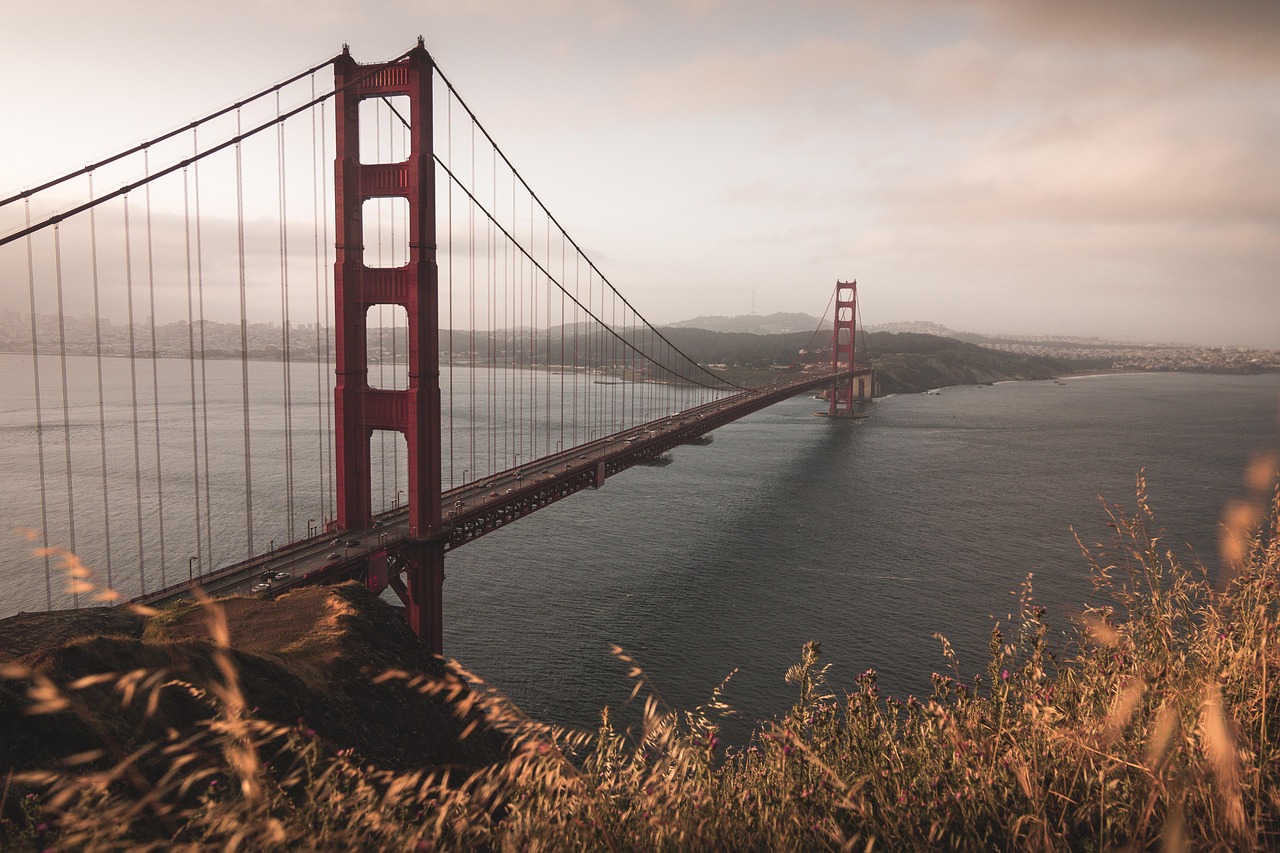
<point x="318" y="721"/>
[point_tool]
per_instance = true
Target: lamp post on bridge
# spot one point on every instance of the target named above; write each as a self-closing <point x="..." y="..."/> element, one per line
<point x="190" y="570"/>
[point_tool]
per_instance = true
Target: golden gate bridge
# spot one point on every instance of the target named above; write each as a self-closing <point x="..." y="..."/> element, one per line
<point x="458" y="361"/>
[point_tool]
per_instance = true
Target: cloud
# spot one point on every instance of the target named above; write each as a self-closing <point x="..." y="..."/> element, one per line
<point x="1175" y="166"/>
<point x="1243" y="34"/>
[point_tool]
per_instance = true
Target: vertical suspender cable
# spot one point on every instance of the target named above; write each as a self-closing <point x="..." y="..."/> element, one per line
<point x="615" y="422"/>
<point x="562" y="342"/>
<point x="471" y="332"/>
<point x="35" y="368"/>
<point x="244" y="344"/>
<point x="208" y="563"/>
<point x="511" y="347"/>
<point x="66" y="409"/>
<point x="516" y="323"/>
<point x="133" y="396"/>
<point x="493" y="330"/>
<point x="536" y="404"/>
<point x="577" y="272"/>
<point x="191" y="356"/>
<point x="529" y="338"/>
<point x="102" y="406"/>
<point x="321" y="468"/>
<point x="286" y="358"/>
<point x="589" y="359"/>
<point x="155" y="357"/>
<point x="449" y="152"/>
<point x="515" y="382"/>
<point x="547" y="365"/>
<point x="328" y="358"/>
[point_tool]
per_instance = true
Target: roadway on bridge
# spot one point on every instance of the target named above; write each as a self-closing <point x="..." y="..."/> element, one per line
<point x="331" y="555"/>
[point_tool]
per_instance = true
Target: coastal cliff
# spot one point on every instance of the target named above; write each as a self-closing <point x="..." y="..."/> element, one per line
<point x="913" y="363"/>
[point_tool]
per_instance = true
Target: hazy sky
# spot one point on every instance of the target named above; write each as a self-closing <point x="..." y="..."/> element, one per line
<point x="1094" y="167"/>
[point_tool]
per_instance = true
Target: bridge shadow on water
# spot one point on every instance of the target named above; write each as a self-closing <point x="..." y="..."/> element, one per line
<point x="764" y="580"/>
<point x="723" y="560"/>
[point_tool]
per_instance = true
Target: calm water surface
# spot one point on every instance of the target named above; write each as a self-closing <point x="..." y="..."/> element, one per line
<point x="869" y="536"/>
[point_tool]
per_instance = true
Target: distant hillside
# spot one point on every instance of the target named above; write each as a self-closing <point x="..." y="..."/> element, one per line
<point x="782" y="323"/>
<point x="779" y="323"/>
<point x="905" y="363"/>
<point x="754" y="324"/>
<point x="909" y="363"/>
<point x="918" y="327"/>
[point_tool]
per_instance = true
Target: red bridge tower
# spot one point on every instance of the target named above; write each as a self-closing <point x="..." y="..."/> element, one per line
<point x="860" y="386"/>
<point x="360" y="410"/>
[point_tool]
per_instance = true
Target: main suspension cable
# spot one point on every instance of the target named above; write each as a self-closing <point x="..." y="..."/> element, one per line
<point x="93" y="167"/>
<point x="515" y="172"/>
<point x="240" y="136"/>
<point x="495" y="224"/>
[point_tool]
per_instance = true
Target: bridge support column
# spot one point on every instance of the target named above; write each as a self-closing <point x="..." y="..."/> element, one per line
<point x="415" y="411"/>
<point x="425" y="605"/>
<point x="844" y="336"/>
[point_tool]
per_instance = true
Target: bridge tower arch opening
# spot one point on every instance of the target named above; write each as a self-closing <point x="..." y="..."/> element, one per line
<point x="360" y="284"/>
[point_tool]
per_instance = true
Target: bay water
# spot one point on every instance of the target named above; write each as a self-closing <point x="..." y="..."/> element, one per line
<point x="869" y="535"/>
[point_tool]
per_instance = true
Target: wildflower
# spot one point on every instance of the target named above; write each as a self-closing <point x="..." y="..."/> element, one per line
<point x="1004" y="675"/>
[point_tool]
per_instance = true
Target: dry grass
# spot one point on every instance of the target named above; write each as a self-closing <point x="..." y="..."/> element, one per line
<point x="1152" y="728"/>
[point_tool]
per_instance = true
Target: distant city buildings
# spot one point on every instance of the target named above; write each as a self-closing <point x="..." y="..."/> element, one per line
<point x="1154" y="356"/>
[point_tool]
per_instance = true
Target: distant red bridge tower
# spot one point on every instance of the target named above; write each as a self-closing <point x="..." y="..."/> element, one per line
<point x="860" y="386"/>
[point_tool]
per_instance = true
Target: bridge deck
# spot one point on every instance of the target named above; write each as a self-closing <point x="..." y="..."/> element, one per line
<point x="482" y="506"/>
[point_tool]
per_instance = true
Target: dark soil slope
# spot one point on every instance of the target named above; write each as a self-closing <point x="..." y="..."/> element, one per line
<point x="308" y="659"/>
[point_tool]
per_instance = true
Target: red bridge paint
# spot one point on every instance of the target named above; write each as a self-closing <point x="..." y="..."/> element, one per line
<point x="415" y="412"/>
